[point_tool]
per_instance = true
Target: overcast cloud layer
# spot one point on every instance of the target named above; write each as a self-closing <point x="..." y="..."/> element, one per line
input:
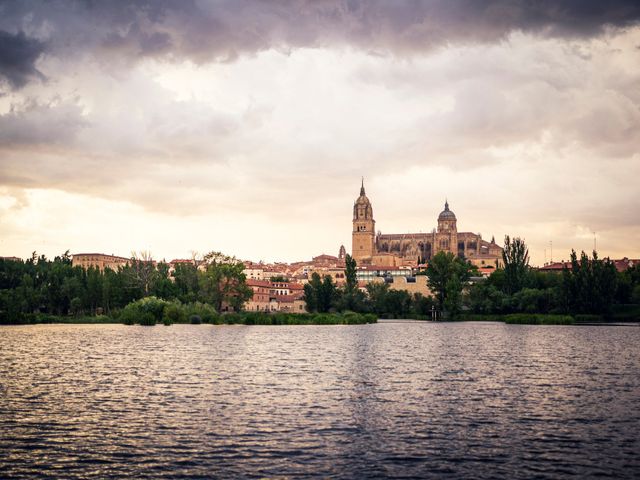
<point x="245" y="126"/>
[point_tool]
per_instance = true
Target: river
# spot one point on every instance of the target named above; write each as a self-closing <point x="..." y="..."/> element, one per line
<point x="429" y="400"/>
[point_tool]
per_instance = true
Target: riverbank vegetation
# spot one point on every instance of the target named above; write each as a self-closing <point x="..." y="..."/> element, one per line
<point x="154" y="311"/>
<point x="589" y="290"/>
<point x="38" y="288"/>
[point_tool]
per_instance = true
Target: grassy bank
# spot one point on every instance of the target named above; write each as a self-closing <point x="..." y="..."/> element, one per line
<point x="42" y="318"/>
<point x="538" y="319"/>
<point x="519" y="318"/>
<point x="243" y="318"/>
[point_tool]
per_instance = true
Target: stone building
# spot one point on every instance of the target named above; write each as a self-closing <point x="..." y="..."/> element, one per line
<point x="396" y="249"/>
<point x="98" y="260"/>
<point x="279" y="296"/>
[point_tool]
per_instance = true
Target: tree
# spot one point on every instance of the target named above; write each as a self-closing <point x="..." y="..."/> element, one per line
<point x="350" y="274"/>
<point x="484" y="297"/>
<point x="223" y="282"/>
<point x="185" y="277"/>
<point x="320" y="294"/>
<point x="590" y="285"/>
<point x="311" y="292"/>
<point x="141" y="271"/>
<point x="350" y="297"/>
<point x="515" y="256"/>
<point x="447" y="275"/>
<point x="378" y="296"/>
<point x="326" y="294"/>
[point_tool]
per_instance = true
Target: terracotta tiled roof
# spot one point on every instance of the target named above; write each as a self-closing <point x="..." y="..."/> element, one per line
<point x="555" y="266"/>
<point x="285" y="298"/>
<point x="258" y="283"/>
<point x="104" y="255"/>
<point x="380" y="267"/>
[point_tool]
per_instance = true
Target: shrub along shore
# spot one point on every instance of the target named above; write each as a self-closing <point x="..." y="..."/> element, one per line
<point x="152" y="311"/>
<point x="200" y="314"/>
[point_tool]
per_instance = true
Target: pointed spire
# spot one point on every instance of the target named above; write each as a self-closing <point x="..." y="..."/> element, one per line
<point x="362" y="187"/>
<point x="446" y="205"/>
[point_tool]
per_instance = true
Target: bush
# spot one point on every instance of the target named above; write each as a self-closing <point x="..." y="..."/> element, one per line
<point x="153" y="306"/>
<point x="195" y="320"/>
<point x="205" y="311"/>
<point x="128" y="315"/>
<point x="146" y="311"/>
<point x="174" y="313"/>
<point x="370" y="318"/>
<point x="147" y="319"/>
<point x="476" y="317"/>
<point x="586" y="318"/>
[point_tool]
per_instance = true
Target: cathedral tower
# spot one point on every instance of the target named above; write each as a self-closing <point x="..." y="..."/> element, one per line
<point x="447" y="236"/>
<point x="364" y="228"/>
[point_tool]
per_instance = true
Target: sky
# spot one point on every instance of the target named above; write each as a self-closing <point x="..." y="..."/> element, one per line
<point x="246" y="126"/>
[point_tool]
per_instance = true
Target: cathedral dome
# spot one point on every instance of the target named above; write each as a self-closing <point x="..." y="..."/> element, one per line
<point x="446" y="214"/>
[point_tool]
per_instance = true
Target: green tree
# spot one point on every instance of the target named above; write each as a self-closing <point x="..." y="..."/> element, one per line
<point x="515" y="257"/>
<point x="447" y="275"/>
<point x="185" y="277"/>
<point x="311" y="292"/>
<point x="350" y="274"/>
<point x="224" y="282"/>
<point x="377" y="293"/>
<point x="590" y="285"/>
<point x="326" y="294"/>
<point x="350" y="297"/>
<point x="320" y="294"/>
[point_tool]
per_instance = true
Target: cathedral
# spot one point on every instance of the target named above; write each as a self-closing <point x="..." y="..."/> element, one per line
<point x="396" y="249"/>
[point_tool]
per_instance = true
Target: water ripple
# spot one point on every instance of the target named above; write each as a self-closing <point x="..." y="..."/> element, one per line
<point x="394" y="400"/>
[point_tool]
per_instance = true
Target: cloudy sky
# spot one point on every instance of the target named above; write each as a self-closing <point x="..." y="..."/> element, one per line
<point x="245" y="126"/>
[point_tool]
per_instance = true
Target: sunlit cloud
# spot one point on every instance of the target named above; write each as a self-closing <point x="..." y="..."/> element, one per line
<point x="246" y="126"/>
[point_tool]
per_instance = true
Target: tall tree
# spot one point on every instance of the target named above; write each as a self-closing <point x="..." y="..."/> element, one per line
<point x="350" y="274"/>
<point x="590" y="285"/>
<point x="515" y="256"/>
<point x="311" y="292"/>
<point x="350" y="297"/>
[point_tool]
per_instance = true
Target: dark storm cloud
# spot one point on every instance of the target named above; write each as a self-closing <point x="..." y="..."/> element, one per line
<point x="18" y="54"/>
<point x="222" y="30"/>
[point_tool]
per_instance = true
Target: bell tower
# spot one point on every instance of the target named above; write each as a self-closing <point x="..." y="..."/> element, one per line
<point x="447" y="236"/>
<point x="364" y="228"/>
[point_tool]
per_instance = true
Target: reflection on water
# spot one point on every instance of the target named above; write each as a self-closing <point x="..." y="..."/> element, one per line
<point x="468" y="400"/>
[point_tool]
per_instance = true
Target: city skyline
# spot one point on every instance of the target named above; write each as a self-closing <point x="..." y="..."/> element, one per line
<point x="246" y="127"/>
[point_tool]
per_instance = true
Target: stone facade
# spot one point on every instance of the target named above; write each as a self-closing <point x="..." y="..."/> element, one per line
<point x="396" y="249"/>
<point x="271" y="296"/>
<point x="98" y="260"/>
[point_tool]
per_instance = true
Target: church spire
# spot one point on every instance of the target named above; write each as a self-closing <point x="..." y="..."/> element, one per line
<point x="362" y="187"/>
<point x="446" y="205"/>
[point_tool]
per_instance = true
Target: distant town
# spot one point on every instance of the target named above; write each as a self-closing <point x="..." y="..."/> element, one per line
<point x="398" y="261"/>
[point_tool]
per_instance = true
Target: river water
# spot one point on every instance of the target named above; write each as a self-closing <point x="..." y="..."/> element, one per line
<point x="457" y="400"/>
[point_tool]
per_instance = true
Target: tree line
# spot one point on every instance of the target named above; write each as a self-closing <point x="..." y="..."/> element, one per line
<point x="55" y="287"/>
<point x="587" y="286"/>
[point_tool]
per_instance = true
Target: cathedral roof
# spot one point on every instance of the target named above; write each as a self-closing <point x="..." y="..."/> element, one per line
<point x="446" y="214"/>
<point x="362" y="199"/>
